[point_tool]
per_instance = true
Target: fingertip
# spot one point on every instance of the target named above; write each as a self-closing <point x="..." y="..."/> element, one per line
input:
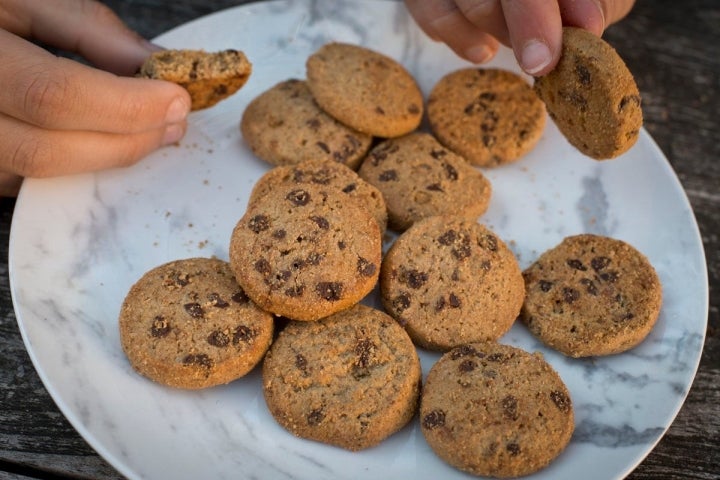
<point x="535" y="57"/>
<point x="480" y="53"/>
<point x="173" y="133"/>
<point x="585" y="14"/>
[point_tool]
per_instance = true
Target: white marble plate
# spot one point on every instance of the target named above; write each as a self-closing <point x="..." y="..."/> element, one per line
<point x="79" y="242"/>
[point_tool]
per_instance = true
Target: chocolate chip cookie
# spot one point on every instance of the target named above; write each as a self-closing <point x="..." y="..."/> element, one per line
<point x="350" y="380"/>
<point x="591" y="295"/>
<point x="188" y="324"/>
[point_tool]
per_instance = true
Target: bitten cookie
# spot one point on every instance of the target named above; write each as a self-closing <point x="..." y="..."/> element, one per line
<point x="591" y="295"/>
<point x="364" y="89"/>
<point x="284" y="126"/>
<point x="328" y="173"/>
<point x="306" y="251"/>
<point x="209" y="77"/>
<point x="451" y="281"/>
<point x="495" y="410"/>
<point x="419" y="178"/>
<point x="489" y="116"/>
<point x="188" y="324"/>
<point x="349" y="380"/>
<point x="592" y="96"/>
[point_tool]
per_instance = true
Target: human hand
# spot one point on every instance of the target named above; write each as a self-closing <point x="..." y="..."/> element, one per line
<point x="58" y="116"/>
<point x="533" y="28"/>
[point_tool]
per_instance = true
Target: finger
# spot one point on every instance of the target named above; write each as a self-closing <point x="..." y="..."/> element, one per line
<point x="9" y="184"/>
<point x="58" y="93"/>
<point x="486" y="15"/>
<point x="443" y="21"/>
<point x="587" y="14"/>
<point x="535" y="29"/>
<point x="30" y="151"/>
<point x="87" y="27"/>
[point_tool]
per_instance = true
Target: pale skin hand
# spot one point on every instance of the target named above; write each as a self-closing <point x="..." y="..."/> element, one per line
<point x="474" y="29"/>
<point x="58" y="116"/>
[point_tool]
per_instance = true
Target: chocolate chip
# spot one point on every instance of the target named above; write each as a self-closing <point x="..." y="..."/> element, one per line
<point x="589" y="286"/>
<point x="279" y="234"/>
<point x="414" y="278"/>
<point x="497" y="357"/>
<point x="448" y="238"/>
<point x="599" y="263"/>
<point x="435" y="187"/>
<point x="218" y="339"/>
<point x="561" y="401"/>
<point x="240" y="297"/>
<point x="440" y="304"/>
<point x="583" y="74"/>
<point x="379" y="110"/>
<point x="244" y="334"/>
<point x="401" y="302"/>
<point x="351" y="187"/>
<point x="609" y="277"/>
<point x="194" y="310"/>
<point x="263" y="266"/>
<point x="295" y="291"/>
<point x="160" y="327"/>
<point x="489" y="242"/>
<point x="341" y="245"/>
<point x="321" y="222"/>
<point x="513" y="449"/>
<point x="627" y="100"/>
<point x="450" y="171"/>
<point x="576" y="264"/>
<point x="413" y="109"/>
<point x="467" y="365"/>
<point x="330" y="291"/>
<point x="388" y="176"/>
<point x="454" y="301"/>
<point x="313" y="124"/>
<point x="545" y="285"/>
<point x="438" y="153"/>
<point x="217" y="301"/>
<point x="365" y="267"/>
<point x="301" y="363"/>
<point x="463" y="250"/>
<point x="488" y="140"/>
<point x="434" y="419"/>
<point x="221" y="89"/>
<point x="323" y="146"/>
<point x="570" y="294"/>
<point x="509" y="407"/>
<point x="199" y="359"/>
<point x="381" y="153"/>
<point x="364" y="350"/>
<point x="259" y="223"/>
<point x="298" y="197"/>
<point x="463" y="351"/>
<point x="315" y="417"/>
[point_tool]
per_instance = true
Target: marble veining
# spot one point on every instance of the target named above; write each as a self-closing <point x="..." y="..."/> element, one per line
<point x="78" y="243"/>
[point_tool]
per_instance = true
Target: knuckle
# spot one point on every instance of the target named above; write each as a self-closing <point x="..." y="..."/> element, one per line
<point x="31" y="157"/>
<point x="45" y="95"/>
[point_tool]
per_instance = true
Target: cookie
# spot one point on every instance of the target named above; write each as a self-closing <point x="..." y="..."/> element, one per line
<point x="451" y="281"/>
<point x="495" y="410"/>
<point x="419" y="178"/>
<point x="188" y="324"/>
<point x="489" y="116"/>
<point x="591" y="295"/>
<point x="592" y="96"/>
<point x="284" y="126"/>
<point x="364" y="89"/>
<point x="306" y="251"/>
<point x="349" y="380"/>
<point x="209" y="77"/>
<point x="329" y="173"/>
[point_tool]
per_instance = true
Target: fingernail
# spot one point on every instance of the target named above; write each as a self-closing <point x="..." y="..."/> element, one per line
<point x="173" y="133"/>
<point x="596" y="25"/>
<point x="535" y="56"/>
<point x="479" y="53"/>
<point x="151" y="47"/>
<point x="177" y="111"/>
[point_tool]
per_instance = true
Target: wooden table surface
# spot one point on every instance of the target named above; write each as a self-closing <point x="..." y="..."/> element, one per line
<point x="673" y="49"/>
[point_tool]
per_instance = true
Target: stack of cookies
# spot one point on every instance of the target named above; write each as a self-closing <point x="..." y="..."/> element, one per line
<point x="349" y="164"/>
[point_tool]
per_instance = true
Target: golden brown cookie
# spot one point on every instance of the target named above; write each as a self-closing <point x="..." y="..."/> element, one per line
<point x="306" y="251"/>
<point x="325" y="172"/>
<point x="349" y="380"/>
<point x="591" y="295"/>
<point x="364" y="89"/>
<point x="209" y="77"/>
<point x="495" y="410"/>
<point x="188" y="324"/>
<point x="489" y="116"/>
<point x="451" y="281"/>
<point x="419" y="178"/>
<point x="284" y="126"/>
<point x="592" y="96"/>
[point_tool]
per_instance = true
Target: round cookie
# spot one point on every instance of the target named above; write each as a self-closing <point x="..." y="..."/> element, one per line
<point x="419" y="178"/>
<point x="364" y="89"/>
<point x="591" y="295"/>
<point x="306" y="251"/>
<point x="325" y="172"/>
<point x="209" y="77"/>
<point x="451" y="281"/>
<point x="349" y="380"/>
<point x="188" y="324"/>
<point x="592" y="96"/>
<point x="489" y="116"/>
<point x="495" y="410"/>
<point x="284" y="126"/>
